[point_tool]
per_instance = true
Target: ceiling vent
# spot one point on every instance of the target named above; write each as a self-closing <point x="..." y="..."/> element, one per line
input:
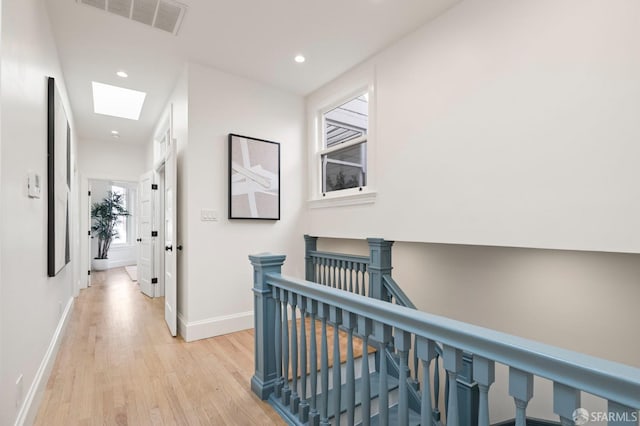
<point x="161" y="14"/>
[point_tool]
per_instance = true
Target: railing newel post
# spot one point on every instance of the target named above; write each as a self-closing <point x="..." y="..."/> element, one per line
<point x="265" y="377"/>
<point x="310" y="244"/>
<point x="379" y="266"/>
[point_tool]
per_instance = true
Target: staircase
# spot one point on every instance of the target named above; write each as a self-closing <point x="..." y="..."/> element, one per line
<point x="397" y="381"/>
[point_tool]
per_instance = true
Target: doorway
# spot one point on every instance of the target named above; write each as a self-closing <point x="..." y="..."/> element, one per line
<point x="122" y="250"/>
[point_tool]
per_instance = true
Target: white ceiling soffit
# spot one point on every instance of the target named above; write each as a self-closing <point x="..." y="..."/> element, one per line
<point x="161" y="14"/>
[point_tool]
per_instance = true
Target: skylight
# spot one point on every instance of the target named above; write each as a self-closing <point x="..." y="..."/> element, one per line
<point x="117" y="101"/>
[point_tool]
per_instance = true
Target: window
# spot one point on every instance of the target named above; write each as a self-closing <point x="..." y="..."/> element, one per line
<point x="343" y="157"/>
<point x="124" y="225"/>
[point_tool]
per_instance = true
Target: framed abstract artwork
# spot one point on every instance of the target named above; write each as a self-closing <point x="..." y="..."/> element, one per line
<point x="254" y="178"/>
<point x="58" y="182"/>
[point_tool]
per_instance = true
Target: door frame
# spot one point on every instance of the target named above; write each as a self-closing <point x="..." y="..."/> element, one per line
<point x="85" y="221"/>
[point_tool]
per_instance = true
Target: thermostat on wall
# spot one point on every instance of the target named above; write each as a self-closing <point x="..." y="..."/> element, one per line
<point x="33" y="185"/>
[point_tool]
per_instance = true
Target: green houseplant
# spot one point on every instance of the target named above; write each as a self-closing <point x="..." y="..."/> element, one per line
<point x="106" y="214"/>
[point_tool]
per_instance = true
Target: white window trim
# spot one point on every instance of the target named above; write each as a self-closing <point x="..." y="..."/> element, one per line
<point x="316" y="110"/>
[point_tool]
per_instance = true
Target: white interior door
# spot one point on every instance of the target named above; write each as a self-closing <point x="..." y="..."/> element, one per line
<point x="89" y="236"/>
<point x="146" y="242"/>
<point x="170" y="253"/>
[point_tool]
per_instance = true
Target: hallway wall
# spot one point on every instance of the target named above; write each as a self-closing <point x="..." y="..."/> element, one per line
<point x="33" y="307"/>
<point x="114" y="160"/>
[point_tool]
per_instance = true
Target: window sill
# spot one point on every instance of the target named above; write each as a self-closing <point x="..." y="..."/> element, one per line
<point x="367" y="197"/>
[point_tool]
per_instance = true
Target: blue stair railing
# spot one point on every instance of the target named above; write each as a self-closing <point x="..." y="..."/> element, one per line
<point x="371" y="276"/>
<point x="339" y="400"/>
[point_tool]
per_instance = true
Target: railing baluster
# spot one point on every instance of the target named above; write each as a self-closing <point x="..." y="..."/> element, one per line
<point x="314" y="416"/>
<point x="340" y="269"/>
<point x="416" y="381"/>
<point x="315" y="270"/>
<point x="304" y="404"/>
<point x="334" y="282"/>
<point x="323" y="281"/>
<point x="278" y="343"/>
<point x="565" y="401"/>
<point x="484" y="373"/>
<point x="403" y="344"/>
<point x="295" y="399"/>
<point x="383" y="336"/>
<point x="350" y="322"/>
<point x="425" y="349"/>
<point x="347" y="273"/>
<point x="436" y="388"/>
<point x="286" y="390"/>
<point x="336" y="318"/>
<point x="323" y="311"/>
<point x="622" y="415"/>
<point x="364" y="330"/>
<point x="453" y="364"/>
<point x="357" y="282"/>
<point x="363" y="268"/>
<point x="521" y="389"/>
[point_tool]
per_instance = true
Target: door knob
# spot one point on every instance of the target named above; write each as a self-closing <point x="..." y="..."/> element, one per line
<point x="169" y="248"/>
<point x="179" y="247"/>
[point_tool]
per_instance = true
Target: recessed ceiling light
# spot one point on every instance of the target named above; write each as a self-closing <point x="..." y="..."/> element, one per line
<point x="115" y="132"/>
<point x="122" y="74"/>
<point x="299" y="59"/>
<point x="117" y="101"/>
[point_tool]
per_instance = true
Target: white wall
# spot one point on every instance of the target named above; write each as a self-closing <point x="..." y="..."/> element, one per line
<point x="33" y="307"/>
<point x="505" y="123"/>
<point x="114" y="160"/>
<point x="218" y="289"/>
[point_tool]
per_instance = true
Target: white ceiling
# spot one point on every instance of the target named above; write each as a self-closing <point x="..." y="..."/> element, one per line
<point x="257" y="39"/>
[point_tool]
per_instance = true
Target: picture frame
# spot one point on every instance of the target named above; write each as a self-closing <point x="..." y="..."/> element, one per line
<point x="254" y="178"/>
<point x="58" y="181"/>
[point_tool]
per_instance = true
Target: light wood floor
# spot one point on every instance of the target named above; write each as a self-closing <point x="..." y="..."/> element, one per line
<point x="118" y="365"/>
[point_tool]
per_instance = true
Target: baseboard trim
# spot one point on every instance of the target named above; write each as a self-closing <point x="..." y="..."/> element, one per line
<point x="31" y="403"/>
<point x="217" y="326"/>
<point x="121" y="263"/>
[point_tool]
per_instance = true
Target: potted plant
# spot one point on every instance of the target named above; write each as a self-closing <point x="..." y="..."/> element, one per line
<point x="106" y="214"/>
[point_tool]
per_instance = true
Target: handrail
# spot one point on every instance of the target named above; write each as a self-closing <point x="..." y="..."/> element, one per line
<point x="394" y="290"/>
<point x="339" y="256"/>
<point x="603" y="378"/>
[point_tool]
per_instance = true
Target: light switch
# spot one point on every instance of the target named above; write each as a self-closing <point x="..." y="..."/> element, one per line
<point x="33" y="185"/>
<point x="208" y="215"/>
